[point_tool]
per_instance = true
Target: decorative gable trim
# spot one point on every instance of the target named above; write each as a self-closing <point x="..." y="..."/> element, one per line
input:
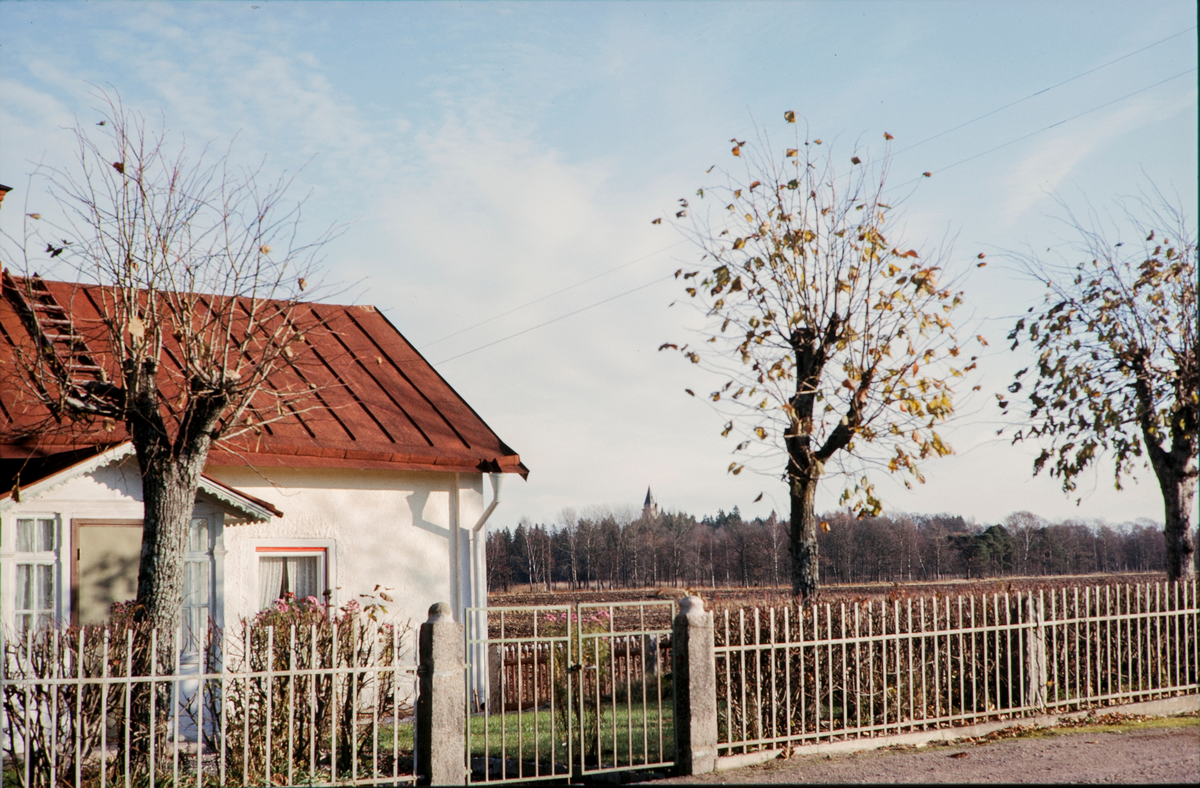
<point x="246" y="508"/>
<point x="58" y="478"/>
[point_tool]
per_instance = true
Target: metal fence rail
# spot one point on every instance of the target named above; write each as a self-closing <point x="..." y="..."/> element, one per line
<point x="626" y="705"/>
<point x="324" y="704"/>
<point x="800" y="675"/>
<point x="570" y="690"/>
<point x="533" y="742"/>
<point x="1119" y="643"/>
<point x="527" y="673"/>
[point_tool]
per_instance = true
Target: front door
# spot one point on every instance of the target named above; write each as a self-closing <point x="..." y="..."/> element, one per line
<point x="105" y="569"/>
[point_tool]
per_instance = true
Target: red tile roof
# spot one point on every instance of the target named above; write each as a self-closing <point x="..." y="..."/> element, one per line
<point x="372" y="400"/>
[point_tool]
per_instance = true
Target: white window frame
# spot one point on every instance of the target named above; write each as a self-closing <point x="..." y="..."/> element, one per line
<point x="16" y="558"/>
<point x="275" y="548"/>
<point x="206" y="557"/>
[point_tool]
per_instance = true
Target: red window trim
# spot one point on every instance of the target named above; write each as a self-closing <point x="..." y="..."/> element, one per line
<point x="324" y="551"/>
<point x="291" y="550"/>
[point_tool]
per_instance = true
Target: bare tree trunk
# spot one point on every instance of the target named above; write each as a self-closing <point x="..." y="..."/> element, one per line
<point x="1175" y="468"/>
<point x="803" y="536"/>
<point x="1179" y="492"/>
<point x="169" y="493"/>
<point x="169" y="488"/>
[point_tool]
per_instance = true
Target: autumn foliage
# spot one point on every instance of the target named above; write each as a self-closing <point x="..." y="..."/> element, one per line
<point x="832" y="337"/>
<point x="1116" y="372"/>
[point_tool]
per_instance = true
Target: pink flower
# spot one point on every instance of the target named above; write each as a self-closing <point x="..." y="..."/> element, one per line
<point x="311" y="601"/>
<point x="281" y="605"/>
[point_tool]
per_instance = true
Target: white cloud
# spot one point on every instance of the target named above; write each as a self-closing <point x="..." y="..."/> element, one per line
<point x="1042" y="171"/>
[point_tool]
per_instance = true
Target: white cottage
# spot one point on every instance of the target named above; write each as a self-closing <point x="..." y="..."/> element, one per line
<point x="382" y="476"/>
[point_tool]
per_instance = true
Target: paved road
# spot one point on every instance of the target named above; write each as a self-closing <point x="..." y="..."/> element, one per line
<point x="1155" y="755"/>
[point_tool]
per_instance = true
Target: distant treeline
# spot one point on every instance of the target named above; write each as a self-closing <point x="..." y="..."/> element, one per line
<point x="620" y="550"/>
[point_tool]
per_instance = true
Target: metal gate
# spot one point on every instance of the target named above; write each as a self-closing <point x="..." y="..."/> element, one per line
<point x="569" y="690"/>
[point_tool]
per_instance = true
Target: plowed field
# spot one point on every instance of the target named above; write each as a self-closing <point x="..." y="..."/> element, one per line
<point x="749" y="597"/>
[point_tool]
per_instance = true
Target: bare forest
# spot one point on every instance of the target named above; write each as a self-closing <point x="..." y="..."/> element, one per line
<point x="611" y="550"/>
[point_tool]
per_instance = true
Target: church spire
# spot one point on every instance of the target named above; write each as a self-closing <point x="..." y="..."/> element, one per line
<point x="650" y="507"/>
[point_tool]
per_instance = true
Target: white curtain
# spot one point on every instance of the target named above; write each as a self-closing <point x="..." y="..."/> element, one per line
<point x="195" y="584"/>
<point x="278" y="574"/>
<point x="270" y="580"/>
<point x="195" y="604"/>
<point x="302" y="573"/>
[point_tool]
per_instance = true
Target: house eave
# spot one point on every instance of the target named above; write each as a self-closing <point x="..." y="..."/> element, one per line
<point x="251" y="509"/>
<point x="60" y="477"/>
<point x="246" y="508"/>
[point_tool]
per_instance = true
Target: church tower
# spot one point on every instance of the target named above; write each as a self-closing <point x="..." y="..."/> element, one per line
<point x="650" y="507"/>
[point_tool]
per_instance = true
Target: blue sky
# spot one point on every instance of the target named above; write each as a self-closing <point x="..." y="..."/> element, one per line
<point x="482" y="156"/>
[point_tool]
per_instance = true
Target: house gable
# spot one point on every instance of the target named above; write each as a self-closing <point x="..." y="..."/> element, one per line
<point x="112" y="475"/>
<point x="377" y="462"/>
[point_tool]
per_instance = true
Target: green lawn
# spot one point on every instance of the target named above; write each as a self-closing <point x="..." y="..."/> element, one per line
<point x="536" y="735"/>
<point x="632" y="734"/>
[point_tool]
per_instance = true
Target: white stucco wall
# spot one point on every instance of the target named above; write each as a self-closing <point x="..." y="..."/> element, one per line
<point x="391" y="528"/>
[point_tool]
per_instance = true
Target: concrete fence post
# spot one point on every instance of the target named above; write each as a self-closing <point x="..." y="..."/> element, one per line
<point x="495" y="654"/>
<point x="441" y="700"/>
<point x="695" y="688"/>
<point x="1036" y="677"/>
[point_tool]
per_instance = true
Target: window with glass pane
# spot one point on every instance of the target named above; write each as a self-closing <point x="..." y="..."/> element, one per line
<point x="197" y="585"/>
<point x="35" y="573"/>
<point x="35" y="535"/>
<point x="300" y="574"/>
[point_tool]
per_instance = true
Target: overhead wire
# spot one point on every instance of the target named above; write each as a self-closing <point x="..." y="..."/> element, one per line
<point x="1046" y="128"/>
<point x="560" y="317"/>
<point x="1043" y="90"/>
<point x="550" y="295"/>
<point x="914" y="180"/>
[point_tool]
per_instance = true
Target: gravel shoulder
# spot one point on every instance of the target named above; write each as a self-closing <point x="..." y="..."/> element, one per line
<point x="1163" y="750"/>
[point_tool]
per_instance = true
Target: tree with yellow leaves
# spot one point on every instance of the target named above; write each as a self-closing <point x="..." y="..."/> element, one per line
<point x="834" y="340"/>
<point x="1116" y="368"/>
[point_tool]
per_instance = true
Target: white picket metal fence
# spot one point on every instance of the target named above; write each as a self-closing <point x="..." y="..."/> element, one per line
<point x="794" y="676"/>
<point x="321" y="704"/>
<point x="571" y="690"/>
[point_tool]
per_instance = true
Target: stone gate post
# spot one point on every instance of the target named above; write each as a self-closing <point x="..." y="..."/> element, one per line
<point x="1035" y="653"/>
<point x="441" y="700"/>
<point x="695" y="688"/>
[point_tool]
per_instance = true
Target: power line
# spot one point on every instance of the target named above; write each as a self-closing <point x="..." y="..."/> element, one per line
<point x="551" y="295"/>
<point x="914" y="180"/>
<point x="560" y="317"/>
<point x="1044" y="90"/>
<point x="1047" y="128"/>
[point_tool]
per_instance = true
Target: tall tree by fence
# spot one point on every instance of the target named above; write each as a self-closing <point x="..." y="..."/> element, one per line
<point x="202" y="265"/>
<point x="832" y="341"/>
<point x="1117" y="371"/>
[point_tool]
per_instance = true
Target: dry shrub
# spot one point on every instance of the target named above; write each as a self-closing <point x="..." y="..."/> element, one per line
<point x="302" y="692"/>
<point x="313" y="693"/>
<point x="904" y="662"/>
<point x="61" y="727"/>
